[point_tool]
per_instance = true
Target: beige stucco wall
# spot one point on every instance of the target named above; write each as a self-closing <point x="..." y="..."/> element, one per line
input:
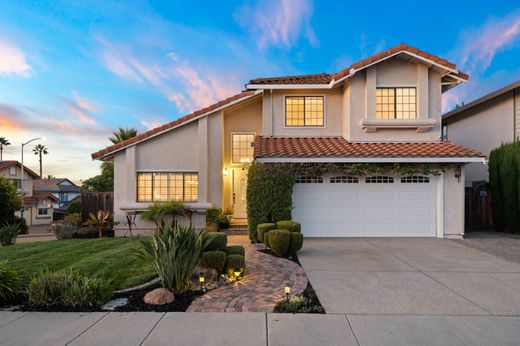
<point x="483" y="128"/>
<point x="361" y="100"/>
<point x="274" y="121"/>
<point x="28" y="179"/>
<point x="453" y="204"/>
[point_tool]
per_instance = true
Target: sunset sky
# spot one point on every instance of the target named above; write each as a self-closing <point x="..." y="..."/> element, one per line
<point x="73" y="71"/>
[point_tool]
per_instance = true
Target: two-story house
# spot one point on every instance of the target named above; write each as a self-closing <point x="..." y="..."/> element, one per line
<point x="37" y="206"/>
<point x="383" y="110"/>
<point x="63" y="189"/>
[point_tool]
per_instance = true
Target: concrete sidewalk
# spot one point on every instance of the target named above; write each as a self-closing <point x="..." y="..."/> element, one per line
<point x="39" y="328"/>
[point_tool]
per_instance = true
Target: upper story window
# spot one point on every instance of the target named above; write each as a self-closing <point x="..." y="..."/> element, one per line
<point x="396" y="103"/>
<point x="444" y="134"/>
<point x="167" y="187"/>
<point x="304" y="111"/>
<point x="12" y="170"/>
<point x="243" y="148"/>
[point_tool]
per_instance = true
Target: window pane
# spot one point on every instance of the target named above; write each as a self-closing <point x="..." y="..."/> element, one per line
<point x="160" y="186"/>
<point x="243" y="149"/>
<point x="191" y="187"/>
<point x="144" y="187"/>
<point x="176" y="187"/>
<point x="304" y="111"/>
<point x="396" y="103"/>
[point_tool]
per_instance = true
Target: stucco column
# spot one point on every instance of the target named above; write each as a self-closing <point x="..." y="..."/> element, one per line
<point x="267" y="113"/>
<point x="370" y="92"/>
<point x="422" y="91"/>
<point x="131" y="175"/>
<point x="203" y="159"/>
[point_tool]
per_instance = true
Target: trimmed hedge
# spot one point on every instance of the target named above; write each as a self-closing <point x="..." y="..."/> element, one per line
<point x="262" y="229"/>
<point x="291" y="226"/>
<point x="279" y="240"/>
<point x="218" y="241"/>
<point x="213" y="259"/>
<point x="296" y="243"/>
<point x="213" y="218"/>
<point x="235" y="262"/>
<point x="235" y="250"/>
<point x="266" y="239"/>
<point x="504" y="179"/>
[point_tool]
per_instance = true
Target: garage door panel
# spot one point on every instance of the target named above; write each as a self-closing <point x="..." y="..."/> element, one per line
<point x="365" y="210"/>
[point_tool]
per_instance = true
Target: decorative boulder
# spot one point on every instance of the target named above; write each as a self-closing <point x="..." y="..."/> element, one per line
<point x="159" y="296"/>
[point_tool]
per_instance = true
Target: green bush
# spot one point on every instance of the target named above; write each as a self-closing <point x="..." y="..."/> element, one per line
<point x="72" y="219"/>
<point x="22" y="225"/>
<point x="235" y="250"/>
<point x="174" y="254"/>
<point x="291" y="226"/>
<point x="296" y="243"/>
<point x="262" y="229"/>
<point x="74" y="208"/>
<point x="216" y="241"/>
<point x="48" y="289"/>
<point x="269" y="195"/>
<point x="10" y="282"/>
<point x="504" y="179"/>
<point x="8" y="234"/>
<point x="213" y="259"/>
<point x="266" y="239"/>
<point x="234" y="262"/>
<point x="213" y="216"/>
<point x="10" y="201"/>
<point x="279" y="240"/>
<point x="301" y="304"/>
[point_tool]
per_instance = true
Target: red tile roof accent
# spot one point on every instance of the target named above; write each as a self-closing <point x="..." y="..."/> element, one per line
<point x="317" y="78"/>
<point x="270" y="147"/>
<point x="169" y="125"/>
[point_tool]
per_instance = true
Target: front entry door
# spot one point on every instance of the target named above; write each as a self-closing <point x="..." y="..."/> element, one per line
<point x="239" y="177"/>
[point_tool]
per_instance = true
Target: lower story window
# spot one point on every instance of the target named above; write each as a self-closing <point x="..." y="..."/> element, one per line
<point x="43" y="211"/>
<point x="309" y="180"/>
<point x="379" y="180"/>
<point x="166" y="186"/>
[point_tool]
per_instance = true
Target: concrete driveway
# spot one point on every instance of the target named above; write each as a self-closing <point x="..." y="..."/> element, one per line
<point x="409" y="276"/>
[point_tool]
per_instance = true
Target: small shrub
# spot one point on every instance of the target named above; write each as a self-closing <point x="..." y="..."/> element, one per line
<point x="291" y="226"/>
<point x="266" y="239"/>
<point x="296" y="243"/>
<point x="8" y="234"/>
<point x="74" y="208"/>
<point x="235" y="250"/>
<point x="262" y="229"/>
<point x="10" y="282"/>
<point x="62" y="231"/>
<point x="22" y="224"/>
<point x="234" y="262"/>
<point x="217" y="241"/>
<point x="213" y="216"/>
<point x="72" y="219"/>
<point x="279" y="240"/>
<point x="213" y="259"/>
<point x="10" y="201"/>
<point x="48" y="289"/>
<point x="299" y="304"/>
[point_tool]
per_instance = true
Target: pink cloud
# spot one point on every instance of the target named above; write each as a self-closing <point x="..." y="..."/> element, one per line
<point x="279" y="23"/>
<point x="12" y="60"/>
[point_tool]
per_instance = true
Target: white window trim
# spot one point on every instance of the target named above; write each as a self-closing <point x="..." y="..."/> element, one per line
<point x="237" y="164"/>
<point x="284" y="96"/>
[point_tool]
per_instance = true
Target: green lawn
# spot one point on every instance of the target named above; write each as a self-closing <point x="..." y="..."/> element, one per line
<point x="109" y="258"/>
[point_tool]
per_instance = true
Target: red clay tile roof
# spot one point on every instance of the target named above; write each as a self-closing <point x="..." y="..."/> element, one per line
<point x="317" y="78"/>
<point x="169" y="125"/>
<point x="297" y="147"/>
<point x="325" y="78"/>
<point x="10" y="163"/>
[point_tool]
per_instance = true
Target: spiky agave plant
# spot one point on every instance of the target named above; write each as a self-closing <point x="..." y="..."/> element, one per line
<point x="174" y="253"/>
<point x="10" y="282"/>
<point x="100" y="220"/>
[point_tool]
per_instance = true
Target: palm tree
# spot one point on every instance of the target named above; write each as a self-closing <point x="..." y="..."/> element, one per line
<point x="122" y="134"/>
<point x="3" y="142"/>
<point x="40" y="149"/>
<point x="50" y="176"/>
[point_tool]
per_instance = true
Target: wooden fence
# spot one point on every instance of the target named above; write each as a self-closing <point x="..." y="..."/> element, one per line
<point x="479" y="211"/>
<point x="91" y="202"/>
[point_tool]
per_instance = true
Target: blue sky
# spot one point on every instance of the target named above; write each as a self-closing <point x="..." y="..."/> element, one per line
<point x="73" y="71"/>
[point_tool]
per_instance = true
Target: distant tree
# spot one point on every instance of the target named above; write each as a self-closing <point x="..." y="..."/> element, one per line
<point x="10" y="201"/>
<point x="74" y="208"/>
<point x="122" y="134"/>
<point x="3" y="143"/>
<point x="103" y="182"/>
<point x="40" y="150"/>
<point x="50" y="176"/>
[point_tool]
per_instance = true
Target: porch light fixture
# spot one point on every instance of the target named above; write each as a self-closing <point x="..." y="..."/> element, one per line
<point x="458" y="173"/>
<point x="237" y="273"/>
<point x="287" y="291"/>
<point x="201" y="280"/>
<point x="225" y="172"/>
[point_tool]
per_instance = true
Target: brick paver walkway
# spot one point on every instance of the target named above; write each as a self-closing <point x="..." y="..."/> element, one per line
<point x="261" y="288"/>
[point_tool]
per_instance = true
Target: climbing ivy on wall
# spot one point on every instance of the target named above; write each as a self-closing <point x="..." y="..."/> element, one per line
<point x="270" y="185"/>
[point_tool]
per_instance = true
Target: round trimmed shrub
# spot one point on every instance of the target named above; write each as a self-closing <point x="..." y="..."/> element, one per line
<point x="218" y="241"/>
<point x="10" y="282"/>
<point x="235" y="250"/>
<point x="235" y="262"/>
<point x="262" y="229"/>
<point x="213" y="259"/>
<point x="279" y="240"/>
<point x="296" y="243"/>
<point x="291" y="226"/>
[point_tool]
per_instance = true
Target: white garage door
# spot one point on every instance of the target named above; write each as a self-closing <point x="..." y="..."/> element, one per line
<point x="375" y="206"/>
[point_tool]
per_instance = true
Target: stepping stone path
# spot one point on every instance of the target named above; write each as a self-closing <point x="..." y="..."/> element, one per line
<point x="261" y="288"/>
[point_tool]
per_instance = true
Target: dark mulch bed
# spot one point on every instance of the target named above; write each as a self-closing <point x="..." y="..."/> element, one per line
<point x="312" y="303"/>
<point x="135" y="301"/>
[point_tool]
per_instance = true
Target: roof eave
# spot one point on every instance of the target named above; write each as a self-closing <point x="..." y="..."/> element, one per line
<point x="329" y="159"/>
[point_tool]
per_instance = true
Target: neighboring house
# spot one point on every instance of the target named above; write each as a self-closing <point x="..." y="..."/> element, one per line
<point x="62" y="188"/>
<point x="484" y="125"/>
<point x="383" y="109"/>
<point x="37" y="207"/>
